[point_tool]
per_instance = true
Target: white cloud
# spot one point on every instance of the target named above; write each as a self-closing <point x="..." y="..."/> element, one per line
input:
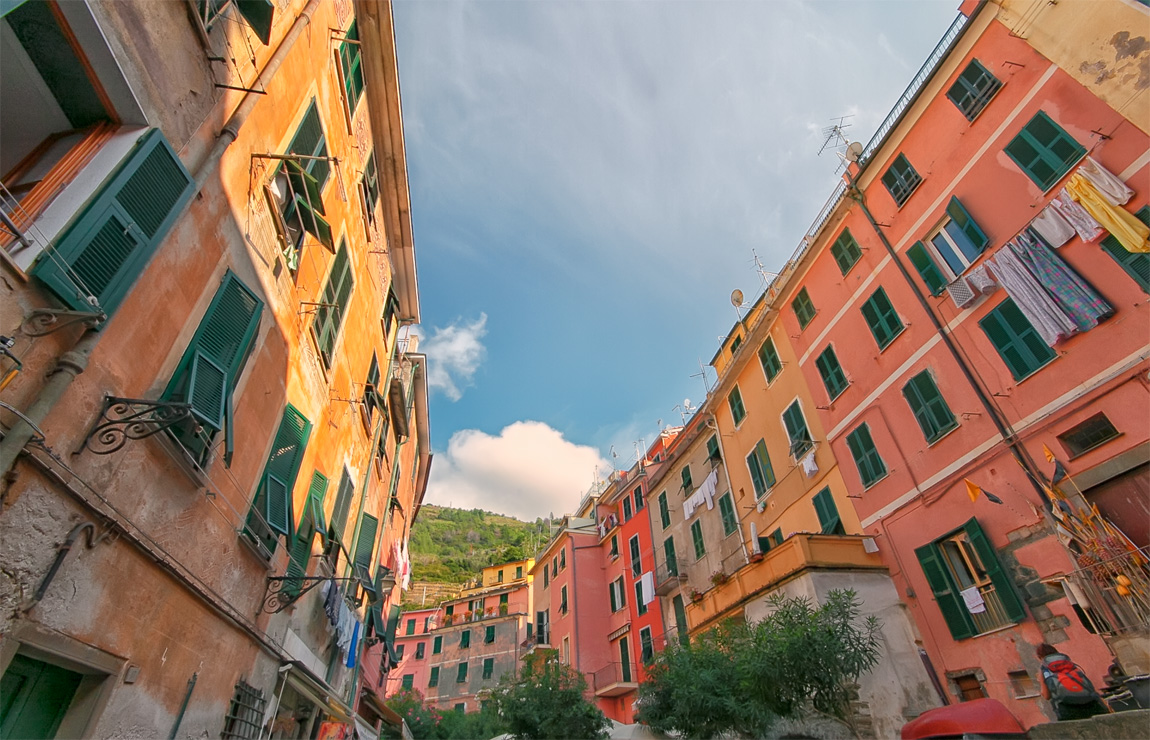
<point x="454" y="353"/>
<point x="528" y="470"/>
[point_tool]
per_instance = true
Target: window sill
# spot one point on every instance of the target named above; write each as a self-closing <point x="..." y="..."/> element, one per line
<point x="835" y="397"/>
<point x="867" y="487"/>
<point x="909" y="195"/>
<point x="1035" y="371"/>
<point x="932" y="442"/>
<point x="883" y="348"/>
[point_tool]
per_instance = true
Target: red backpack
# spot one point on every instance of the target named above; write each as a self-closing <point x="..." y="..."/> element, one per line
<point x="1067" y="683"/>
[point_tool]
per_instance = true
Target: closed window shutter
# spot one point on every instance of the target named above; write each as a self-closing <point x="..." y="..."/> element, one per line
<point x="349" y="54"/>
<point x="945" y="593"/>
<point x="962" y="218"/>
<point x="1015" y="339"/>
<point x="611" y="595"/>
<point x="727" y="510"/>
<point x="756" y="475"/>
<point x="365" y="544"/>
<point x="769" y="359"/>
<point x="880" y="316"/>
<point x="329" y="317"/>
<point x="1044" y="151"/>
<point x="669" y="554"/>
<point x="107" y="247"/>
<point x="846" y="251"/>
<point x="697" y="540"/>
<point x="282" y="467"/>
<point x="931" y="411"/>
<point x="1003" y="584"/>
<point x="797" y="431"/>
<point x="1136" y="264"/>
<point x="342" y="504"/>
<point x="316" y="494"/>
<point x="767" y="469"/>
<point x="870" y="465"/>
<point x="300" y="553"/>
<point x="828" y="513"/>
<point x="927" y="269"/>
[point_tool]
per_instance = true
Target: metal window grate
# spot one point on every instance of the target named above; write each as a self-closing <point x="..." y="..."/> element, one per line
<point x="245" y="713"/>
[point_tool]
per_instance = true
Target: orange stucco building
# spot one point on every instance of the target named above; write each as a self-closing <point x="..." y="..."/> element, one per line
<point x="215" y="430"/>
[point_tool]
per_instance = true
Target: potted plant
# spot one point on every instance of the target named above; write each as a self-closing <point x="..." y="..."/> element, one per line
<point x="503" y="610"/>
<point x="448" y="619"/>
<point x="469" y="616"/>
<point x="718" y="578"/>
<point x="695" y="596"/>
<point x="756" y="557"/>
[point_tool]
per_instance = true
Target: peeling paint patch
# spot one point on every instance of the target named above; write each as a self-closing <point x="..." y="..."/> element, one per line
<point x="1125" y="46"/>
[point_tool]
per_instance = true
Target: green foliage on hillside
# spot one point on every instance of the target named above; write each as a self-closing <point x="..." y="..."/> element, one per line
<point x="452" y="545"/>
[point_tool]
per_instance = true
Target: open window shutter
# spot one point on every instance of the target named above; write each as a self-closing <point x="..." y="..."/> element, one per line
<point x="961" y="216"/>
<point x="304" y="185"/>
<point x="827" y="512"/>
<point x="258" y="14"/>
<point x="314" y="223"/>
<point x="1003" y="584"/>
<point x="208" y="391"/>
<point x="365" y="545"/>
<point x="918" y="405"/>
<point x="342" y="504"/>
<point x="300" y="554"/>
<point x="106" y="248"/>
<point x="927" y="269"/>
<point x="282" y="467"/>
<point x="945" y="595"/>
<point x="375" y="611"/>
<point x="392" y="623"/>
<point x="316" y="494"/>
<point x="756" y="474"/>
<point x="768" y="470"/>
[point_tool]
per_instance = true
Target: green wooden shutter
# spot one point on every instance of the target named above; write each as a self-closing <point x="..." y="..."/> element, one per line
<point x="611" y="595"/>
<point x="309" y="141"/>
<point x="882" y="319"/>
<point x="1015" y="339"/>
<point x="1136" y="264"/>
<point x="489" y="634"/>
<point x="316" y="494"/>
<point x="831" y="372"/>
<point x="797" y="431"/>
<point x="846" y="251"/>
<point x="727" y="512"/>
<point x="664" y="511"/>
<point x="258" y="14"/>
<point x="764" y="458"/>
<point x="1003" y="584"/>
<point x="300" y="553"/>
<point x="962" y="218"/>
<point x="697" y="539"/>
<point x="329" y="316"/>
<point x="670" y="556"/>
<point x="930" y="409"/>
<point x="927" y="269"/>
<point x="769" y="359"/>
<point x="1044" y="151"/>
<point x="756" y="475"/>
<point x="365" y="543"/>
<point x="945" y="592"/>
<point x="803" y="307"/>
<point x="107" y="246"/>
<point x="973" y="89"/>
<point x="437" y="645"/>
<point x="735" y="400"/>
<point x="350" y="58"/>
<point x="281" y="469"/>
<point x="828" y="513"/>
<point x="342" y="505"/>
<point x="685" y="475"/>
<point x="869" y="463"/>
<point x="465" y="639"/>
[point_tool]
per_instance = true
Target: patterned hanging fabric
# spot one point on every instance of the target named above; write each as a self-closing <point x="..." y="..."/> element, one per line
<point x="1069" y="290"/>
<point x="1035" y="303"/>
<point x="1087" y="228"/>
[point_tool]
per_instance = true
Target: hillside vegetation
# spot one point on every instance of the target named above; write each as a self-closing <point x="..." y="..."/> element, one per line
<point x="452" y="545"/>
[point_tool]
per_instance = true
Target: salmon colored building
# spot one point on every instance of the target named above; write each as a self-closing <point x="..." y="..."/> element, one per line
<point x="972" y="299"/>
<point x="215" y="432"/>
<point x="410" y="662"/>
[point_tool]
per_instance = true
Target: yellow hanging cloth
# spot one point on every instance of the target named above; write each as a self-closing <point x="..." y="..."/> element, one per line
<point x="1128" y="230"/>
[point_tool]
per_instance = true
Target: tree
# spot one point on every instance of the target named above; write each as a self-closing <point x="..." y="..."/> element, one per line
<point x="546" y="702"/>
<point x="422" y="720"/>
<point x="741" y="678"/>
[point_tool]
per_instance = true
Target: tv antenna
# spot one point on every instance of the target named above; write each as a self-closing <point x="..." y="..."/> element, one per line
<point x="834" y="139"/>
<point x="763" y="271"/>
<point x="702" y="374"/>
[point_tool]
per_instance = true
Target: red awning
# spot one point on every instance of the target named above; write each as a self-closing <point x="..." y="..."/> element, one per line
<point x="977" y="717"/>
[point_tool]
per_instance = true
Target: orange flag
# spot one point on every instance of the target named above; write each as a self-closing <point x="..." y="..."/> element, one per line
<point x="1049" y="455"/>
<point x="974" y="490"/>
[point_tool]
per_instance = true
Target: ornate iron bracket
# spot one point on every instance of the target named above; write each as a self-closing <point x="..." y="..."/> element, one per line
<point x="43" y="321"/>
<point x="123" y="419"/>
<point x="276" y="599"/>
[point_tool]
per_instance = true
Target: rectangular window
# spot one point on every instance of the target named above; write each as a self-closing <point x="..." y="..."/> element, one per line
<point x="880" y="316"/>
<point x="488" y="635"/>
<point x="437" y="645"/>
<point x="1136" y="264"/>
<point x="518" y="572"/>
<point x="102" y="252"/>
<point x="727" y="511"/>
<point x="343" y="498"/>
<point x="713" y="452"/>
<point x="685" y="475"/>
<point x="736" y="343"/>
<point x="640" y="606"/>
<point x="350" y="68"/>
<point x="461" y="707"/>
<point x="563" y="600"/>
<point x="738" y="411"/>
<point x="461" y="673"/>
<point x="311" y="523"/>
<point x="636" y="560"/>
<point x="408" y="681"/>
<point x="972" y="589"/>
<point x="336" y="295"/>
<point x="664" y="511"/>
<point x="762" y="474"/>
<point x="927" y="268"/>
<point x="617" y="594"/>
<point x="647" y="646"/>
<point x="846" y="251"/>
<point x="614" y="546"/>
<point x="803" y="307"/>
<point x="930" y="409"/>
<point x="828" y="513"/>
<point x="420" y="650"/>
<point x="211" y="365"/>
<point x="625" y="660"/>
<point x="271" y="513"/>
<point x="973" y="89"/>
<point x="769" y="359"/>
<point x="900" y="179"/>
<point x="433" y="678"/>
<point x="546" y="576"/>
<point x="627" y="514"/>
<point x="1094" y="432"/>
<point x="834" y="379"/>
<point x="697" y="539"/>
<point x="499" y="577"/>
<point x="488" y="667"/>
<point x="295" y="192"/>
<point x="870" y="465"/>
<point x="797" y="432"/>
<point x="1015" y="339"/>
<point x="638" y="496"/>
<point x="369" y="189"/>
<point x="399" y="649"/>
<point x="563" y="558"/>
<point x="364" y="549"/>
<point x="1044" y="151"/>
<point x="959" y="241"/>
<point x="670" y="556"/>
<point x="681" y="625"/>
<point x="465" y="639"/>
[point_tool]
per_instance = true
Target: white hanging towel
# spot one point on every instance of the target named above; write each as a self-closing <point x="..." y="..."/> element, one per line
<point x="707" y="490"/>
<point x="1052" y="227"/>
<point x="1085" y="224"/>
<point x="810" y="467"/>
<point x="973" y="600"/>
<point x="647" y="586"/>
<point x="1111" y="188"/>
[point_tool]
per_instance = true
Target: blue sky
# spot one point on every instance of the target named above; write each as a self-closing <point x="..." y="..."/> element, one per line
<point x="589" y="182"/>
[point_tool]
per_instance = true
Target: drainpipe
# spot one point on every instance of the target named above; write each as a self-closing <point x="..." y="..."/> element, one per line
<point x="74" y="361"/>
<point x="713" y="423"/>
<point x="1004" y="430"/>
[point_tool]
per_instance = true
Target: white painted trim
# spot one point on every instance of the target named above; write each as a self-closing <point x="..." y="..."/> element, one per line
<point x="1135" y="166"/>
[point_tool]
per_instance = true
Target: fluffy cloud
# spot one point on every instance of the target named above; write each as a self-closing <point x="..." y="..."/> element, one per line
<point x="528" y="470"/>
<point x="454" y="353"/>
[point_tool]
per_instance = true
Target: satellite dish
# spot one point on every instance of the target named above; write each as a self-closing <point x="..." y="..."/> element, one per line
<point x="736" y="297"/>
<point x="854" y="151"/>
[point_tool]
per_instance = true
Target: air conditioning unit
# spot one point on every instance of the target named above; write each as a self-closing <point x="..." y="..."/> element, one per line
<point x="961" y="293"/>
